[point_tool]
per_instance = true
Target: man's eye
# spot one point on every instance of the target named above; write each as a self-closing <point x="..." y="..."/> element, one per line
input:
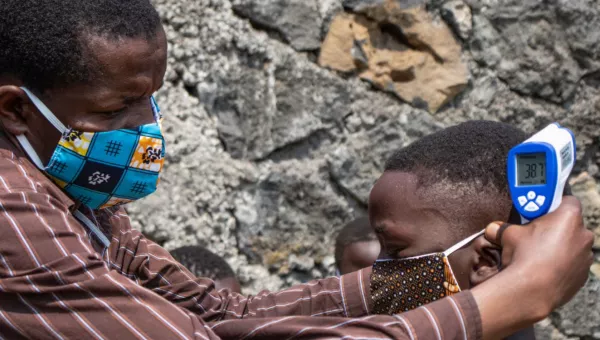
<point x="115" y="112"/>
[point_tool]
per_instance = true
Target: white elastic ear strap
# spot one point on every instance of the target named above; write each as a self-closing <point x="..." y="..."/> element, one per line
<point x="463" y="243"/>
<point x="30" y="151"/>
<point x="45" y="111"/>
<point x="50" y="117"/>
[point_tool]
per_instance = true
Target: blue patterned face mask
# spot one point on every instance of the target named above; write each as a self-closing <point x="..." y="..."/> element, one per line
<point x="103" y="169"/>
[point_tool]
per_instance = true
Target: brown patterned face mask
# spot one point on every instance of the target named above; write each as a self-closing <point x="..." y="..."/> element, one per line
<point x="399" y="285"/>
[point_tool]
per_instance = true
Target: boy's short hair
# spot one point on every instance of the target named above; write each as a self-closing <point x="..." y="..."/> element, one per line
<point x="462" y="170"/>
<point x="358" y="230"/>
<point x="203" y="263"/>
<point x="471" y="152"/>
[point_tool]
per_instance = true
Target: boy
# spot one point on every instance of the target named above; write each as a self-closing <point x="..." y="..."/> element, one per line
<point x="442" y="189"/>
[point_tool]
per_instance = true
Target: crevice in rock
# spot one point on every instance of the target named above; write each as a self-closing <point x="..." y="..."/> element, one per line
<point x="258" y="25"/>
<point x="354" y="201"/>
<point x="250" y="256"/>
<point x="483" y="65"/>
<point x="192" y="90"/>
<point x="592" y="78"/>
<point x="301" y="149"/>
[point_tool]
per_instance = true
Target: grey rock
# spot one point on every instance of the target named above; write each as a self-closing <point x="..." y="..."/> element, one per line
<point x="528" y="43"/>
<point x="545" y="330"/>
<point x="458" y="15"/>
<point x="295" y="210"/>
<point x="298" y="21"/>
<point x="357" y="163"/>
<point x="581" y="316"/>
<point x="581" y="22"/>
<point x="272" y="101"/>
<point x="302" y="264"/>
<point x="360" y="5"/>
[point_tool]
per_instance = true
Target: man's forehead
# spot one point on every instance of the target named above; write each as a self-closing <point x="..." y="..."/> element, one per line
<point x="127" y="65"/>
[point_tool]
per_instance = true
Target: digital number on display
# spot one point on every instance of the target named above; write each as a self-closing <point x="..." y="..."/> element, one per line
<point x="531" y="169"/>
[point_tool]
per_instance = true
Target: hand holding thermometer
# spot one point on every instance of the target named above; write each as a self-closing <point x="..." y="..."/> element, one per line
<point x="538" y="170"/>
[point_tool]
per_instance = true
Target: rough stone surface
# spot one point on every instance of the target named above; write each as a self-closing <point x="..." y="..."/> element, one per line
<point x="579" y="318"/>
<point x="398" y="49"/>
<point x="298" y="21"/>
<point x="540" y="48"/>
<point x="458" y="15"/>
<point x="269" y="154"/>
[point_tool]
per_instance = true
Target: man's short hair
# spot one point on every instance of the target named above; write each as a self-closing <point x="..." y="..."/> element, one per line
<point x="358" y="230"/>
<point x="203" y="263"/>
<point x="43" y="41"/>
<point x="472" y="152"/>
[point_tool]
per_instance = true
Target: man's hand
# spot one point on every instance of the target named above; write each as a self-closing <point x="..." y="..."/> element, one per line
<point x="545" y="263"/>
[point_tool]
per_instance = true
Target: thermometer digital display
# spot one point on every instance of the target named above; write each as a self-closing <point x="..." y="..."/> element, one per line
<point x="538" y="170"/>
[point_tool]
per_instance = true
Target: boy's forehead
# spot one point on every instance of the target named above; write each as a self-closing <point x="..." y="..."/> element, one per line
<point x="394" y="197"/>
<point x="400" y="213"/>
<point x="391" y="188"/>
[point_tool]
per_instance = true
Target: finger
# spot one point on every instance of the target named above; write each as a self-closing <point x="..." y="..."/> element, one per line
<point x="495" y="232"/>
<point x="501" y="230"/>
<point x="570" y="207"/>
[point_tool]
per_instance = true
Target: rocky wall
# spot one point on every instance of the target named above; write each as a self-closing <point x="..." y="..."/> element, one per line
<point x="279" y="116"/>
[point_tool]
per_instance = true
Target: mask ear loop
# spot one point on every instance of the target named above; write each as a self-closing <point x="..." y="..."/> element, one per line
<point x="44" y="110"/>
<point x="463" y="243"/>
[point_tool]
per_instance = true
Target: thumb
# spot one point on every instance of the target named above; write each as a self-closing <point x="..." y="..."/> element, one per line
<point x="499" y="232"/>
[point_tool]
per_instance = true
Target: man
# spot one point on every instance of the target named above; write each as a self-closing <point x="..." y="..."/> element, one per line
<point x="204" y="263"/>
<point x="356" y="246"/>
<point x="442" y="189"/>
<point x="82" y="136"/>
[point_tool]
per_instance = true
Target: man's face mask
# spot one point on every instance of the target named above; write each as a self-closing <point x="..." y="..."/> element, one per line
<point x="414" y="281"/>
<point x="103" y="169"/>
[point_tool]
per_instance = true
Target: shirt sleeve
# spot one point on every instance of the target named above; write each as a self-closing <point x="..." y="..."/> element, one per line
<point x="152" y="266"/>
<point x="455" y="317"/>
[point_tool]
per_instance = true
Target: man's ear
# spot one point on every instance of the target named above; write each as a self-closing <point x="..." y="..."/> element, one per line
<point x="487" y="263"/>
<point x="14" y="106"/>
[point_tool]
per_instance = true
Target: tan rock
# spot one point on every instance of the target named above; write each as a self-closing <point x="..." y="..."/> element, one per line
<point x="403" y="51"/>
<point x="336" y="51"/>
<point x="596" y="269"/>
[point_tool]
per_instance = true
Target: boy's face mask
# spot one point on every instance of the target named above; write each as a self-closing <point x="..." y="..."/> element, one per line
<point x="103" y="169"/>
<point x="414" y="281"/>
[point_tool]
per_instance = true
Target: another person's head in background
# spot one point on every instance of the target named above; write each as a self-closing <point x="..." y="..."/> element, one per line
<point x="94" y="64"/>
<point x="356" y="246"/>
<point x="442" y="189"/>
<point x="204" y="263"/>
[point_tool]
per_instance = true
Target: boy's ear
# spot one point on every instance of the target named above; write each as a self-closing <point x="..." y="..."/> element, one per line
<point x="487" y="263"/>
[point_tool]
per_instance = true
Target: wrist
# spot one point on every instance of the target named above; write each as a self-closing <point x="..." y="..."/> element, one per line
<point x="512" y="300"/>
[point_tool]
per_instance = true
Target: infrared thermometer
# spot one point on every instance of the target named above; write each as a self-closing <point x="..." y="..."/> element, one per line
<point x="538" y="170"/>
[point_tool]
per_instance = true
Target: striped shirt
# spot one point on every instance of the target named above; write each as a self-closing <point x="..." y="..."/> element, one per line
<point x="57" y="281"/>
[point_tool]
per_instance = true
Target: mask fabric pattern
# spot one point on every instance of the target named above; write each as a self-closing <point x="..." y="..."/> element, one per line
<point x="103" y="169"/>
<point x="400" y="285"/>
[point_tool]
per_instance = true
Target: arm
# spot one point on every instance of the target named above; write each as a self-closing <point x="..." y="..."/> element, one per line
<point x="145" y="261"/>
<point x="55" y="286"/>
<point x="547" y="262"/>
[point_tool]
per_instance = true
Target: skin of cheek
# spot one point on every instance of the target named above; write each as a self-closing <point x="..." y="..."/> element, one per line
<point x="462" y="264"/>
